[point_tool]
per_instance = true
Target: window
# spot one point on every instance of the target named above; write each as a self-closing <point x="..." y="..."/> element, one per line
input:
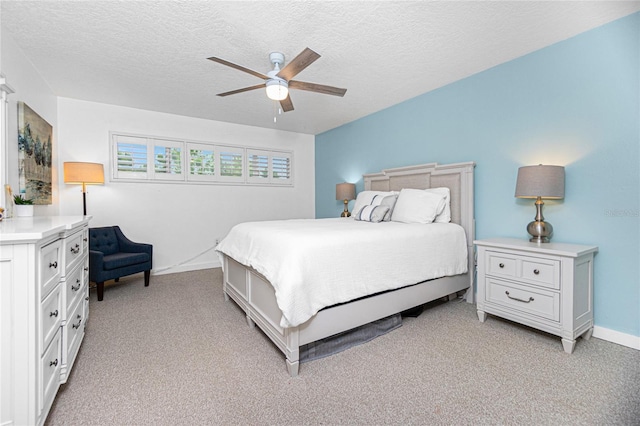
<point x="202" y="165"/>
<point x="130" y="157"/>
<point x="231" y="164"/>
<point x="268" y="167"/>
<point x="167" y="159"/>
<point x="140" y="158"/>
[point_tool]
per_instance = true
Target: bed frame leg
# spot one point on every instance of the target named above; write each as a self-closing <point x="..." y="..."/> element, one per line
<point x="452" y="296"/>
<point x="292" y="367"/>
<point x="251" y="323"/>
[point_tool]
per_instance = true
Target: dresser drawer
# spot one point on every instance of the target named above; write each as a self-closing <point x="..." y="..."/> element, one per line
<point x="51" y="365"/>
<point x="50" y="316"/>
<point x="50" y="266"/>
<point x="74" y="286"/>
<point x="74" y="249"/>
<point x="523" y="299"/>
<point x="75" y="330"/>
<point x="531" y="270"/>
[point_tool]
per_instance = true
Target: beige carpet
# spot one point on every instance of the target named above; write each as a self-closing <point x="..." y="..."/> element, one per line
<point x="176" y="353"/>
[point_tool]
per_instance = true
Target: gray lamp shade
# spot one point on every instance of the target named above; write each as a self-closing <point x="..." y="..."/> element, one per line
<point x="540" y="181"/>
<point x="345" y="191"/>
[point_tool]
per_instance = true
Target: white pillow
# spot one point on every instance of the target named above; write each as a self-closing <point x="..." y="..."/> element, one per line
<point x="417" y="206"/>
<point x="372" y="213"/>
<point x="364" y="198"/>
<point x="386" y="201"/>
<point x="445" y="215"/>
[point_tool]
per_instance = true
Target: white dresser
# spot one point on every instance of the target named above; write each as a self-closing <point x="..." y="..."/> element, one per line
<point x="44" y="305"/>
<point x="547" y="286"/>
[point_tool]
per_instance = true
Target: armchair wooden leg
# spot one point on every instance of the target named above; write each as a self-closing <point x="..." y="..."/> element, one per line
<point x="100" y="287"/>
<point x="146" y="278"/>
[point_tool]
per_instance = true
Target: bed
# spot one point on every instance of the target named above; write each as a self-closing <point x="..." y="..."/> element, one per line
<point x="302" y="320"/>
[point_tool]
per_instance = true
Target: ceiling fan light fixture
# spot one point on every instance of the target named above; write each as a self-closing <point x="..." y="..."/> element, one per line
<point x="277" y="89"/>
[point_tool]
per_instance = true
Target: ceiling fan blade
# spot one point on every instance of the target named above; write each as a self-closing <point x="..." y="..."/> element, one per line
<point x="244" y="89"/>
<point x="297" y="64"/>
<point x="318" y="88"/>
<point x="286" y="104"/>
<point x="239" y="67"/>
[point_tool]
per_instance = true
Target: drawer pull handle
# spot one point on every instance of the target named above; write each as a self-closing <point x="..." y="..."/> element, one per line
<point x="53" y="363"/>
<point x="53" y="314"/>
<point x="86" y="298"/>
<point x="536" y="271"/>
<point x="76" y="249"/>
<point x="75" y="288"/>
<point x="519" y="300"/>
<point x="85" y="239"/>
<point x="78" y="324"/>
<point x="501" y="265"/>
<point x="53" y="264"/>
<point x="86" y="268"/>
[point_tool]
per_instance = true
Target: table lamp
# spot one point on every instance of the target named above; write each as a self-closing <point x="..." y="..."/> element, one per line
<point x="345" y="191"/>
<point x="540" y="182"/>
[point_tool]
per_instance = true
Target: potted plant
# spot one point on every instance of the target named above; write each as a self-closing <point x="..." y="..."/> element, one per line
<point x="24" y="206"/>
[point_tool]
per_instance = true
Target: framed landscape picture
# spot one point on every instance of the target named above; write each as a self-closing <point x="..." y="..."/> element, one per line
<point x="34" y="155"/>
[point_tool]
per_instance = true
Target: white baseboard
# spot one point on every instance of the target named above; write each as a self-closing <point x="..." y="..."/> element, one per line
<point x="186" y="268"/>
<point x="617" y="337"/>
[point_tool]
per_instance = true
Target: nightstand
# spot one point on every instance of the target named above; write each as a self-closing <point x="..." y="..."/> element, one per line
<point x="547" y="286"/>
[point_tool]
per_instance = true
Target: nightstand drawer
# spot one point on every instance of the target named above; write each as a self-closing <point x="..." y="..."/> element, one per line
<point x="501" y="265"/>
<point x="533" y="301"/>
<point x="529" y="270"/>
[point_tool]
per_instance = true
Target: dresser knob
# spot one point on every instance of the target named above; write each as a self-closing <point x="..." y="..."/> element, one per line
<point x="53" y="264"/>
<point x="53" y="363"/>
<point x="536" y="271"/>
<point x="501" y="265"/>
<point x="78" y="324"/>
<point x="53" y="314"/>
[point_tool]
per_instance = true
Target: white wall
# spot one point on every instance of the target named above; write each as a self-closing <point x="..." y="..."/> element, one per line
<point x="31" y="89"/>
<point x="180" y="220"/>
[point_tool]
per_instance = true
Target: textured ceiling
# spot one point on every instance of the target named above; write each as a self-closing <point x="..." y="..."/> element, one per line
<point x="152" y="54"/>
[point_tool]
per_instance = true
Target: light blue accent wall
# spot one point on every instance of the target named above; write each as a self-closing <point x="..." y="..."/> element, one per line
<point x="575" y="104"/>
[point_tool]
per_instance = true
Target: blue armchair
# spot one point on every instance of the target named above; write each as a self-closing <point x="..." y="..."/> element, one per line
<point x="112" y="255"/>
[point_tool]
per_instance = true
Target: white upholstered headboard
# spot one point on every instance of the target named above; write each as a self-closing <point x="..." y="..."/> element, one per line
<point x="457" y="177"/>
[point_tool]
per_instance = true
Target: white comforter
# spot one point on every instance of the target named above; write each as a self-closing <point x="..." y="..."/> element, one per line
<point x="315" y="263"/>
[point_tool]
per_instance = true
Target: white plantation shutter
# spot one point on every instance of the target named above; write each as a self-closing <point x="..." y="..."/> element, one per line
<point x="202" y="162"/>
<point x="130" y="157"/>
<point x="231" y="164"/>
<point x="268" y="167"/>
<point x="167" y="159"/>
<point x="281" y="168"/>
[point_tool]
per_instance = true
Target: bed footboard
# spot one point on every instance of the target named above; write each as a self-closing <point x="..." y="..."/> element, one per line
<point x="256" y="296"/>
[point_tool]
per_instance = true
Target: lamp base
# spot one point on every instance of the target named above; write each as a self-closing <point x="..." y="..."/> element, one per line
<point x="540" y="231"/>
<point x="346" y="213"/>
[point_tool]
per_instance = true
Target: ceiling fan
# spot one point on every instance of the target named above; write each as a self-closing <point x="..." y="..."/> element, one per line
<point x="278" y="81"/>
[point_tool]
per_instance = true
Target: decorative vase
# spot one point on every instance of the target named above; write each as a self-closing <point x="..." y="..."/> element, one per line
<point x="24" y="210"/>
